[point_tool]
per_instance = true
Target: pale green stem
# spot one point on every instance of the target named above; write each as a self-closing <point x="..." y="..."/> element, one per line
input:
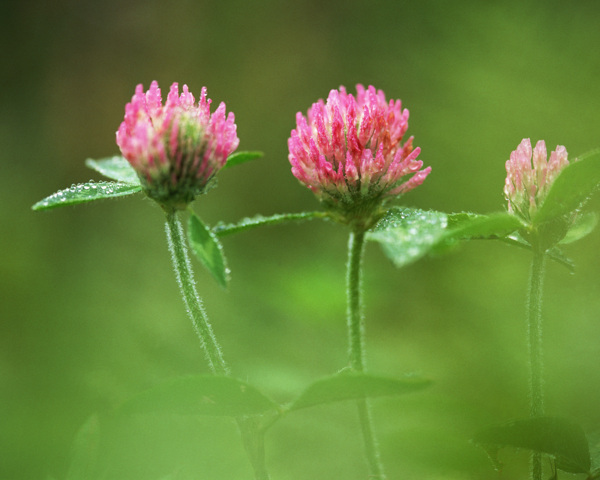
<point x="535" y="343"/>
<point x="252" y="435"/>
<point x="356" y="246"/>
<point x="193" y="303"/>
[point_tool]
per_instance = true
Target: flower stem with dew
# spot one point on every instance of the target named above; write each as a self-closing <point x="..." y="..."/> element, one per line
<point x="252" y="436"/>
<point x="356" y="246"/>
<point x="193" y="303"/>
<point x="535" y="344"/>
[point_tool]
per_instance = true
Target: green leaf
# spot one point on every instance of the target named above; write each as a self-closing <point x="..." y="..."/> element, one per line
<point x="563" y="439"/>
<point x="584" y="225"/>
<point x="571" y="188"/>
<point x="84" y="451"/>
<point x="208" y="249"/>
<point x="222" y="229"/>
<point x="201" y="395"/>
<point x="348" y="385"/>
<point x="241" y="157"/>
<point x="554" y="253"/>
<point x="86" y="192"/>
<point x="117" y="168"/>
<point x="407" y="234"/>
<point x="467" y="226"/>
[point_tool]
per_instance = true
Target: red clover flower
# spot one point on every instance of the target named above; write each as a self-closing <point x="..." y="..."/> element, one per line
<point x="176" y="148"/>
<point x="348" y="151"/>
<point x="530" y="175"/>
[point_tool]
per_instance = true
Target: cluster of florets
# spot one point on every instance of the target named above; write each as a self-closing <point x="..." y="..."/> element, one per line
<point x="176" y="148"/>
<point x="348" y="151"/>
<point x="530" y="175"/>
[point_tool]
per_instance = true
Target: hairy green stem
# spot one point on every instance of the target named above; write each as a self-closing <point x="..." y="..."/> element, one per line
<point x="252" y="435"/>
<point x="535" y="343"/>
<point x="356" y="246"/>
<point x="193" y="303"/>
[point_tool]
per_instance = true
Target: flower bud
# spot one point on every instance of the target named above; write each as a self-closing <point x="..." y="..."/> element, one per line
<point x="529" y="176"/>
<point x="176" y="148"/>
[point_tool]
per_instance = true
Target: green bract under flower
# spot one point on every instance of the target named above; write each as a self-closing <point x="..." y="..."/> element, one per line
<point x="176" y="148"/>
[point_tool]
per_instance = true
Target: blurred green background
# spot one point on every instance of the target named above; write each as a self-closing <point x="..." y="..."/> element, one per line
<point x="90" y="312"/>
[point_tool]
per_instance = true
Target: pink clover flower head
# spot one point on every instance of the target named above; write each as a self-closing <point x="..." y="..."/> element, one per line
<point x="529" y="176"/>
<point x="348" y="151"/>
<point x="176" y="148"/>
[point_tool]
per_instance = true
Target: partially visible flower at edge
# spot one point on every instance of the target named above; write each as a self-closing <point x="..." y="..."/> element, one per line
<point x="529" y="176"/>
<point x="348" y="151"/>
<point x="176" y="148"/>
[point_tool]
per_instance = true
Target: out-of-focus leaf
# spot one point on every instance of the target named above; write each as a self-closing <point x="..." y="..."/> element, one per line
<point x="241" y="157"/>
<point x="407" y="234"/>
<point x="354" y="385"/>
<point x="222" y="229"/>
<point x="116" y="168"/>
<point x="554" y="253"/>
<point x="84" y="451"/>
<point x="467" y="226"/>
<point x="563" y="439"/>
<point x="201" y="395"/>
<point x="571" y="188"/>
<point x="86" y="192"/>
<point x="584" y="225"/>
<point x="208" y="249"/>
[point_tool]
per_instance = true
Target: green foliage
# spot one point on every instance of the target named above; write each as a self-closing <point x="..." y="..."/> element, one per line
<point x="469" y="226"/>
<point x="562" y="439"/>
<point x="201" y="395"/>
<point x="555" y="253"/>
<point x="348" y="385"/>
<point x="86" y="192"/>
<point x="207" y="247"/>
<point x="571" y="188"/>
<point x="407" y="234"/>
<point x="583" y="225"/>
<point x="116" y="168"/>
<point x="222" y="229"/>
<point x="241" y="157"/>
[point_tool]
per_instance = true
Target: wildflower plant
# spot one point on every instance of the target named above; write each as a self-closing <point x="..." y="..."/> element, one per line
<point x="351" y="152"/>
<point x="546" y="194"/>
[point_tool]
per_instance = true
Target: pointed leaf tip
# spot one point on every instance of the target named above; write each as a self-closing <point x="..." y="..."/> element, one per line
<point x="207" y="247"/>
<point x="348" y="385"/>
<point x="241" y="157"/>
<point x="116" y="168"/>
<point x="86" y="192"/>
